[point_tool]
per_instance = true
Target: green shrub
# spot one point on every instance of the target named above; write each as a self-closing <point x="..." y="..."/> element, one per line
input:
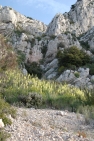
<point x="71" y="22"/>
<point x="44" y="50"/>
<point x="76" y="74"/>
<point x="89" y="96"/>
<point x="85" y="45"/>
<point x="87" y="111"/>
<point x="38" y="38"/>
<point x="34" y="68"/>
<point x="31" y="100"/>
<point x="72" y="7"/>
<point x="33" y="42"/>
<point x="92" y="50"/>
<point x="72" y="56"/>
<point x="18" y="32"/>
<point x="30" y="91"/>
<point x="52" y="37"/>
<point x="61" y="69"/>
<point x="61" y="44"/>
<point x="30" y="18"/>
<point x="20" y="57"/>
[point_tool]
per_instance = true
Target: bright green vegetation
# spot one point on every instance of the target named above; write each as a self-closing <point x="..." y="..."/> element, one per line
<point x="25" y="90"/>
<point x="76" y="74"/>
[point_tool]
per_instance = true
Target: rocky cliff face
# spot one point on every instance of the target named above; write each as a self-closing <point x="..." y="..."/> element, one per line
<point x="78" y="20"/>
<point x="21" y="31"/>
<point x="13" y="20"/>
<point x="39" y="42"/>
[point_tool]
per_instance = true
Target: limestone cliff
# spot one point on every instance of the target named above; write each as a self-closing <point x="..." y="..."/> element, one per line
<point x="78" y="20"/>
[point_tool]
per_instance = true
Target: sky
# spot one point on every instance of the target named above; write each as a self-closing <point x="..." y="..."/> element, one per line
<point x="42" y="10"/>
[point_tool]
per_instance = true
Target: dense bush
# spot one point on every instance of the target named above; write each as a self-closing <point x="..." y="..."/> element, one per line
<point x="15" y="85"/>
<point x="38" y="38"/>
<point x="44" y="50"/>
<point x="19" y="31"/>
<point x="72" y="56"/>
<point x="31" y="100"/>
<point x="72" y="7"/>
<point x="85" y="45"/>
<point x="34" y="68"/>
<point x="76" y="74"/>
<point x="61" y="44"/>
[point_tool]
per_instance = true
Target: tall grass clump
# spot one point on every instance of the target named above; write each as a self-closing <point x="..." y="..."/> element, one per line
<point x="14" y="85"/>
<point x="26" y="90"/>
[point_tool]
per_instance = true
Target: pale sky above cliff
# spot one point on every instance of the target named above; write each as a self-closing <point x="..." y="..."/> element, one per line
<point x="43" y="10"/>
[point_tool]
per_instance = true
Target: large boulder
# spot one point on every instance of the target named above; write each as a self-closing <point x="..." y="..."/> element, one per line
<point x="66" y="76"/>
<point x="53" y="64"/>
<point x="7" y="15"/>
<point x="83" y="72"/>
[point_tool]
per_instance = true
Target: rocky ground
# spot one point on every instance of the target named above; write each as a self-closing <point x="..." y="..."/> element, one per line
<point x="49" y="125"/>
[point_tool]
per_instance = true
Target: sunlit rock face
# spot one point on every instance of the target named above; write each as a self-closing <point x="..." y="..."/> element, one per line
<point x="78" y="20"/>
<point x="8" y="15"/>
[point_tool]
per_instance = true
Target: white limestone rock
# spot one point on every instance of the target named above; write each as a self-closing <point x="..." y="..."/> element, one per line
<point x="24" y="71"/>
<point x="83" y="72"/>
<point x="36" y="54"/>
<point x="30" y="25"/>
<point x="78" y="20"/>
<point x="82" y="82"/>
<point x="1" y="123"/>
<point x="52" y="48"/>
<point x="66" y="76"/>
<point x="49" y="72"/>
<point x="0" y="6"/>
<point x="52" y="75"/>
<point x="53" y="64"/>
<point x="92" y="78"/>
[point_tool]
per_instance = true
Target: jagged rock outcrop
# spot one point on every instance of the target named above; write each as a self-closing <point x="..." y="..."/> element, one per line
<point x="79" y="78"/>
<point x="8" y="15"/>
<point x="21" y="31"/>
<point x="78" y="20"/>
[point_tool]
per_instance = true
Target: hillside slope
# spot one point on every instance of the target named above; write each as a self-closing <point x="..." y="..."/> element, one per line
<point x="36" y="42"/>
